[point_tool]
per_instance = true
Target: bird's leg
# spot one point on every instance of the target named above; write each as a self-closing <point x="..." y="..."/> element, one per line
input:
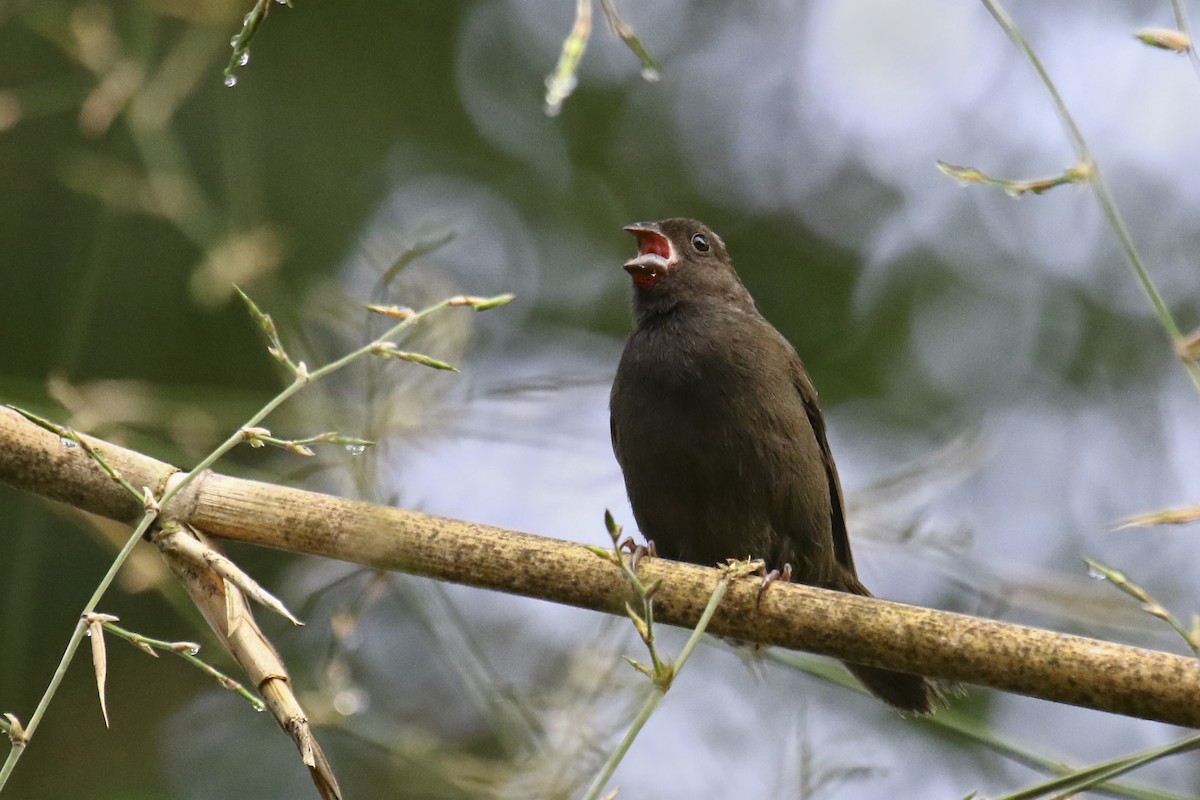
<point x="637" y="550"/>
<point x="784" y="575"/>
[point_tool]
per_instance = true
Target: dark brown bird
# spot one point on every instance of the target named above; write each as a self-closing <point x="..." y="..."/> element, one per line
<point x="717" y="429"/>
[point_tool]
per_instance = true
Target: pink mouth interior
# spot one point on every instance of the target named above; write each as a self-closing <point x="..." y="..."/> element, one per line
<point x="650" y="242"/>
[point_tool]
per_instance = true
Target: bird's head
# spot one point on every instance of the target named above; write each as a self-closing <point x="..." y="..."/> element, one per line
<point x="680" y="260"/>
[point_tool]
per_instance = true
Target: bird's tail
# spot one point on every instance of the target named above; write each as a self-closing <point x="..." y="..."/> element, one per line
<point x="903" y="691"/>
<point x="911" y="694"/>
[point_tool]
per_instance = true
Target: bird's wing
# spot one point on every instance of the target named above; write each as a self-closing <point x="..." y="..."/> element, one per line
<point x="808" y="394"/>
<point x="614" y="438"/>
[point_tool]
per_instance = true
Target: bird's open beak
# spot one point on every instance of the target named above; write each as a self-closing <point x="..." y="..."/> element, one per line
<point x="656" y="256"/>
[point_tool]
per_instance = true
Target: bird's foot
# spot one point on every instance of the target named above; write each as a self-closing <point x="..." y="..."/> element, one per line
<point x="784" y="575"/>
<point x="637" y="550"/>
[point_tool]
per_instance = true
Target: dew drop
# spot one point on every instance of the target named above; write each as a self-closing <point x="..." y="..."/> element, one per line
<point x="1096" y="574"/>
<point x="356" y="449"/>
<point x="651" y="75"/>
<point x="68" y="443"/>
<point x="244" y="59"/>
<point x="234" y="41"/>
<point x="246" y="20"/>
<point x="231" y="81"/>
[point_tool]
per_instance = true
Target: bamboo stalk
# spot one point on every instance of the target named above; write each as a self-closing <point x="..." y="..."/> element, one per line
<point x="1031" y="661"/>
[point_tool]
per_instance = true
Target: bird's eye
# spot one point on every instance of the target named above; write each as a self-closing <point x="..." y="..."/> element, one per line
<point x="700" y="242"/>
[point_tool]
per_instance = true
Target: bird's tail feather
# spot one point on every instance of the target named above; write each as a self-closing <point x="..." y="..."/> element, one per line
<point x="908" y="693"/>
<point x="901" y="690"/>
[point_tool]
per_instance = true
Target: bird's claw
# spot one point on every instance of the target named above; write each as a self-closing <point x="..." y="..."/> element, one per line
<point x="784" y="575"/>
<point x="636" y="550"/>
